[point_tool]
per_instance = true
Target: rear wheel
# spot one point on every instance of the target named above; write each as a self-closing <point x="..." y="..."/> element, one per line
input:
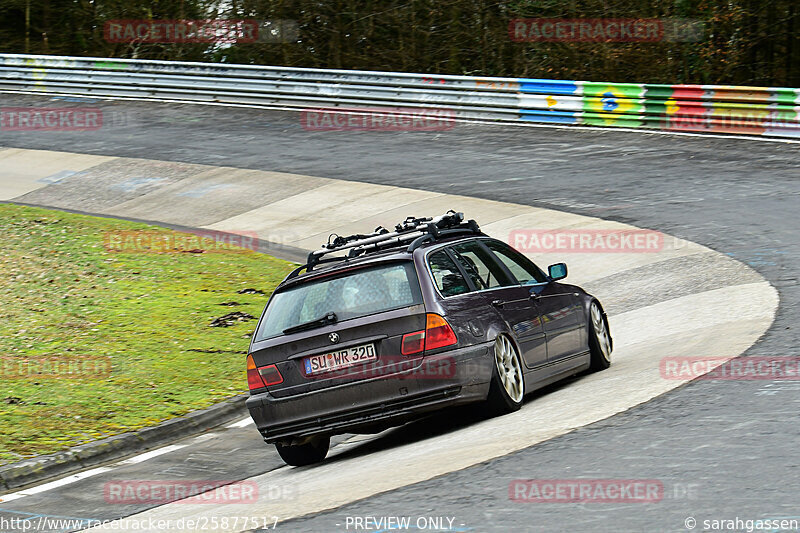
<point x="507" y="387"/>
<point x="599" y="339"/>
<point x="310" y="452"/>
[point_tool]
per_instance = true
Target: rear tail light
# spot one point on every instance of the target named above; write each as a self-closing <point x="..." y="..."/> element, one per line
<point x="254" y="380"/>
<point x="413" y="343"/>
<point x="258" y="378"/>
<point x="437" y="334"/>
<point x="271" y="375"/>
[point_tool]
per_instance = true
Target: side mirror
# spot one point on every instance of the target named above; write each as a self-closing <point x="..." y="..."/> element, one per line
<point x="557" y="271"/>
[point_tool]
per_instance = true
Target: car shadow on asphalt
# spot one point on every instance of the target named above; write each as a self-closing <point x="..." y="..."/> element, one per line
<point x="435" y="425"/>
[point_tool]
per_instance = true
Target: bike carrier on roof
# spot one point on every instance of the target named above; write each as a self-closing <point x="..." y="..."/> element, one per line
<point x="415" y="231"/>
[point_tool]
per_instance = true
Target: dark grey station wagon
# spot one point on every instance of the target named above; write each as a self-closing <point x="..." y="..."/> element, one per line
<point x="378" y="329"/>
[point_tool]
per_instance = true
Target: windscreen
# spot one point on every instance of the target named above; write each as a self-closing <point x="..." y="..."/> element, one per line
<point x="354" y="294"/>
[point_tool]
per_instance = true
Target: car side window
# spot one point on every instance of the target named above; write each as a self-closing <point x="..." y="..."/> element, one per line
<point x="520" y="266"/>
<point x="448" y="278"/>
<point x="482" y="269"/>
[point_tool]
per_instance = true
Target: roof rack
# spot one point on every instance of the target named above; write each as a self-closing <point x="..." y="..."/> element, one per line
<point x="412" y="231"/>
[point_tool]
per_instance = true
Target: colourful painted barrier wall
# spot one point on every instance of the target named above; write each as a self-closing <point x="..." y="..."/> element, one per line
<point x="772" y="111"/>
<point x="769" y="111"/>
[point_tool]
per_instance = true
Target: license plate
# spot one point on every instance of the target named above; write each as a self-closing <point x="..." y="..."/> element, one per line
<point x="346" y="357"/>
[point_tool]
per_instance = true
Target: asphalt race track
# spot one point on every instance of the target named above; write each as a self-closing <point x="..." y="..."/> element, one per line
<point x="723" y="449"/>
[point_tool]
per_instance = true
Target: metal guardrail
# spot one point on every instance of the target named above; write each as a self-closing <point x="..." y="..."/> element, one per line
<point x="766" y="111"/>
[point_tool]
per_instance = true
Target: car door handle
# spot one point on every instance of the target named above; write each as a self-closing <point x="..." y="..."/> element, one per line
<point x="498" y="303"/>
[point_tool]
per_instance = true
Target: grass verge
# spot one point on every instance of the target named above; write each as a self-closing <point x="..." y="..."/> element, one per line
<point x="96" y="342"/>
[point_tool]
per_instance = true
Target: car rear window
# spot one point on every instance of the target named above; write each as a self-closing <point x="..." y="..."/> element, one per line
<point x="353" y="294"/>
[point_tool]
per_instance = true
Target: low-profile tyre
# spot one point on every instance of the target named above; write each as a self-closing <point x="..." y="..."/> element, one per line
<point x="599" y="339"/>
<point x="507" y="388"/>
<point x="308" y="453"/>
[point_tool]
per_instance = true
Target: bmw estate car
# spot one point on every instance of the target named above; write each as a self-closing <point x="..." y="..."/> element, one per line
<point x="378" y="329"/>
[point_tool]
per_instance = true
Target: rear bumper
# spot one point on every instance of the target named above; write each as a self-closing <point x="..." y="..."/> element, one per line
<point x="377" y="403"/>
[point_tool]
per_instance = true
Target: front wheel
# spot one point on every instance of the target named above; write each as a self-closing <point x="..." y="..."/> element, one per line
<point x="599" y="339"/>
<point x="507" y="387"/>
<point x="310" y="452"/>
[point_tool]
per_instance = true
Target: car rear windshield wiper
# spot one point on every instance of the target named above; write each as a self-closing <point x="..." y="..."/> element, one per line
<point x="329" y="318"/>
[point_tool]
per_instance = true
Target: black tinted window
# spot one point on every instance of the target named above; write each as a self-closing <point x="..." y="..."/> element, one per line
<point x="481" y="268"/>
<point x="520" y="266"/>
<point x="446" y="274"/>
